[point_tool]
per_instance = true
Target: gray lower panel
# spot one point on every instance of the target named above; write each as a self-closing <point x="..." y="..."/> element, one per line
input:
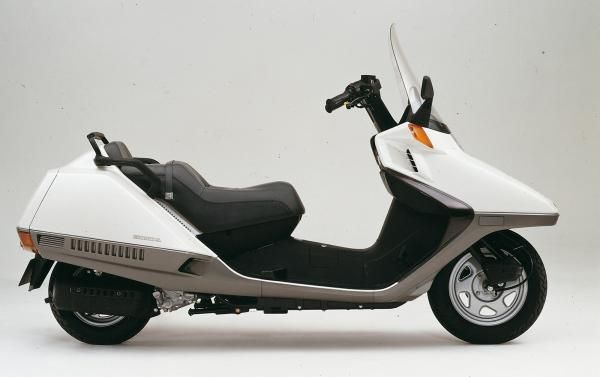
<point x="160" y="267"/>
<point x="419" y="281"/>
<point x="157" y="267"/>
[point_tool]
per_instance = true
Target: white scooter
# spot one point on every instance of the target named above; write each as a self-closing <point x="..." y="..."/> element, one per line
<point x="132" y="237"/>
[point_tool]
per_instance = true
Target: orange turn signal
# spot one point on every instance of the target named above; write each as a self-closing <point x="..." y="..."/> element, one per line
<point x="26" y="241"/>
<point x="419" y="134"/>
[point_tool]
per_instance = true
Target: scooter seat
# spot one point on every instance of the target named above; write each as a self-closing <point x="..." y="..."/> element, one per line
<point x="215" y="209"/>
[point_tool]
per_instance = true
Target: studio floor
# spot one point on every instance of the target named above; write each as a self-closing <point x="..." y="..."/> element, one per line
<point x="335" y="343"/>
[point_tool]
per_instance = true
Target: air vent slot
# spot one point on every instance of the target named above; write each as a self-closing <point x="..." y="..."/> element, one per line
<point x="107" y="249"/>
<point x="412" y="160"/>
<point x="51" y="241"/>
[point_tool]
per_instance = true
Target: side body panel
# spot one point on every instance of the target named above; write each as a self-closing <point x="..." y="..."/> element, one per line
<point x="449" y="169"/>
<point x="36" y="200"/>
<point x="101" y="203"/>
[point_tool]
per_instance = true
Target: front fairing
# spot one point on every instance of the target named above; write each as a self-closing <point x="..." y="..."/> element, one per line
<point x="449" y="169"/>
<point x="446" y="166"/>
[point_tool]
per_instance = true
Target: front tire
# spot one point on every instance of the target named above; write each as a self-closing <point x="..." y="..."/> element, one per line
<point x="91" y="328"/>
<point x="464" y="307"/>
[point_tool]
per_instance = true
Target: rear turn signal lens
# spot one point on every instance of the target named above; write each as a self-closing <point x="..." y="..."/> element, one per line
<point x="419" y="134"/>
<point x="26" y="241"/>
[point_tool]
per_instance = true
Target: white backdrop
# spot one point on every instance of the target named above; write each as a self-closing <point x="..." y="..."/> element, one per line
<point x="237" y="89"/>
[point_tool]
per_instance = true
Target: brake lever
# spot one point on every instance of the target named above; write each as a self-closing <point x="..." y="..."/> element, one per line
<point x="356" y="102"/>
<point x="367" y="86"/>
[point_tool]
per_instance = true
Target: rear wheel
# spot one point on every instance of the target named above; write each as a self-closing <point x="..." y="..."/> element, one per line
<point x="93" y="328"/>
<point x="470" y="310"/>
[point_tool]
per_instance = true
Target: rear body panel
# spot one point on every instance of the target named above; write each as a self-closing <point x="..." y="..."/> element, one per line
<point x="35" y="201"/>
<point x="101" y="203"/>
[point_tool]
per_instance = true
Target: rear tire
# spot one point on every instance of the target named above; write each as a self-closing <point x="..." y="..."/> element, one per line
<point x="510" y="320"/>
<point x="93" y="328"/>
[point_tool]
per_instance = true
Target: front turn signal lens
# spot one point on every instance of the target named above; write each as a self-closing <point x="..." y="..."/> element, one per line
<point x="26" y="241"/>
<point x="420" y="135"/>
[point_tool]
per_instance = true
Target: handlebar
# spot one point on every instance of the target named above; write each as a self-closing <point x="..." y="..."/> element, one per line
<point x="355" y="94"/>
<point x="337" y="101"/>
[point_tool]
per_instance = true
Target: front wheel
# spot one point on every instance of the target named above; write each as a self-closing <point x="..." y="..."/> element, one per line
<point x="93" y="328"/>
<point x="470" y="310"/>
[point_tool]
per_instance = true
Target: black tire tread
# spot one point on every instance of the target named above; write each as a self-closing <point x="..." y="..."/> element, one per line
<point x="118" y="333"/>
<point x="439" y="300"/>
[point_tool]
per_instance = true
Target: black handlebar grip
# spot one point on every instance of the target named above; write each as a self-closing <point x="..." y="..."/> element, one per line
<point x="336" y="102"/>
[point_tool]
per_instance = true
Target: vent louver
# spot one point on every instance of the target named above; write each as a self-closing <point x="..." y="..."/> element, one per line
<point x="51" y="241"/>
<point x="108" y="249"/>
<point x="412" y="160"/>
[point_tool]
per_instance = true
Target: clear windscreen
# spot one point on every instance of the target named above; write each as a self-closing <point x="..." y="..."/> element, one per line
<point x="409" y="86"/>
<point x="408" y="83"/>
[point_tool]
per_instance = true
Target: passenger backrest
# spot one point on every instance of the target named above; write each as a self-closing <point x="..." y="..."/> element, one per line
<point x="117" y="150"/>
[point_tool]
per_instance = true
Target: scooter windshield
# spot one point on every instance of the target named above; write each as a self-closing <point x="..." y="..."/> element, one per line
<point x="410" y="86"/>
<point x="404" y="74"/>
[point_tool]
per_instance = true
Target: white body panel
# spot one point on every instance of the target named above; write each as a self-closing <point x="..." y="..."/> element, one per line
<point x="449" y="169"/>
<point x="36" y="200"/>
<point x="102" y="203"/>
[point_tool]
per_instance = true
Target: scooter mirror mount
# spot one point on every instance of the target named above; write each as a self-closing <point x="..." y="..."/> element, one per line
<point x="427" y="88"/>
<point x="421" y="116"/>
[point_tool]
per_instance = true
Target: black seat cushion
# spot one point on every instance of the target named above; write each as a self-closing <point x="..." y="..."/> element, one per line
<point x="212" y="208"/>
